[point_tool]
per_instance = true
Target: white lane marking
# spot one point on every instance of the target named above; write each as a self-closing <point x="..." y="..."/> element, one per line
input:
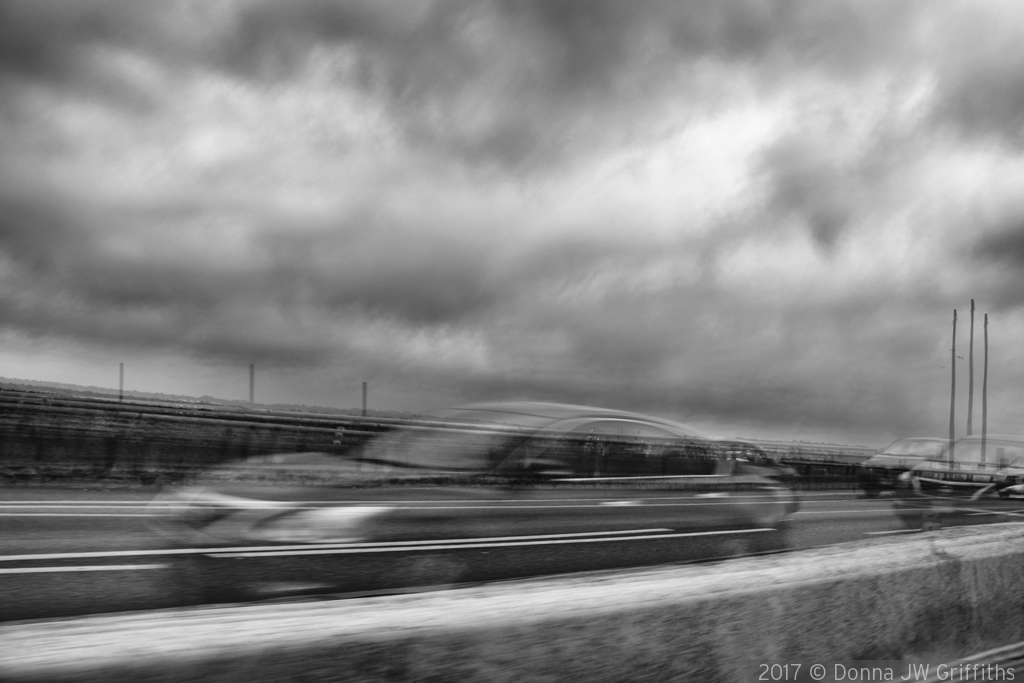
<point x="990" y="512"/>
<point x="665" y="477"/>
<point x="887" y="511"/>
<point x="638" y="493"/>
<point x="61" y="503"/>
<point x="500" y="506"/>
<point x="347" y="551"/>
<point x="422" y="505"/>
<point x="845" y="493"/>
<point x="85" y="568"/>
<point x="946" y="483"/>
<point x="894" y="531"/>
<point x="70" y="505"/>
<point x="733" y="497"/>
<point x="82" y="507"/>
<point x="482" y="539"/>
<point x="78" y="514"/>
<point x="311" y="546"/>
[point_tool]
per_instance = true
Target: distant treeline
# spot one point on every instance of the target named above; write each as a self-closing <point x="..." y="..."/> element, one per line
<point x="211" y="402"/>
<point x="817" y="451"/>
<point x="44" y="435"/>
<point x="51" y="436"/>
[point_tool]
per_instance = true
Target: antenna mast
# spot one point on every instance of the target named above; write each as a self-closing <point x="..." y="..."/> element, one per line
<point x="970" y="375"/>
<point x="952" y="395"/>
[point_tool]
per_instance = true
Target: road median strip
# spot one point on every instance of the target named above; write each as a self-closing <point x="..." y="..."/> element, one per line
<point x="954" y="591"/>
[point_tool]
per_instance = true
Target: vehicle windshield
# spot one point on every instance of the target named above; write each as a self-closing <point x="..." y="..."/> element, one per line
<point x="494" y="416"/>
<point x="443" y="448"/>
<point x="999" y="453"/>
<point x="925" y="448"/>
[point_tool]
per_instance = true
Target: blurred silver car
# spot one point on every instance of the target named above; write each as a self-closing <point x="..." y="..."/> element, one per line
<point x="492" y="490"/>
<point x="972" y="466"/>
<point x="882" y="470"/>
<point x="1009" y="480"/>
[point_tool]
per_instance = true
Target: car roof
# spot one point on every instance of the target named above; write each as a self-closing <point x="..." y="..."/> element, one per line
<point x="536" y="414"/>
<point x="992" y="437"/>
<point x="937" y="439"/>
<point x="922" y="438"/>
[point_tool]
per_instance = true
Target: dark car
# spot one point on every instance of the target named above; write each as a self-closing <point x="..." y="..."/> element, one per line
<point x="969" y="467"/>
<point x="882" y="470"/>
<point x="482" y="491"/>
<point x="750" y="457"/>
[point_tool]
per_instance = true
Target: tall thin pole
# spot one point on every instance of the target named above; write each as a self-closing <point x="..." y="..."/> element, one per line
<point x="120" y="389"/>
<point x="970" y="376"/>
<point x="364" y="399"/>
<point x="252" y="383"/>
<point x="984" y="394"/>
<point x="952" y="395"/>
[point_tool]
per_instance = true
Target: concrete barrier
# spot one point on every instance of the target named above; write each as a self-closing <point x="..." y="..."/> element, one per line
<point x="941" y="594"/>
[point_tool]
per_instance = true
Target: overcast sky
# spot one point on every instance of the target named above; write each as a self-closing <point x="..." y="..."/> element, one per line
<point x="756" y="217"/>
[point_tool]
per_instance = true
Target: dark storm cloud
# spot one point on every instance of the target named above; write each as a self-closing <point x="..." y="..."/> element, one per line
<point x="526" y="82"/>
<point x="1006" y="246"/>
<point x="810" y="185"/>
<point x="977" y="53"/>
<point x="60" y="242"/>
<point x="84" y="285"/>
<point x="388" y="270"/>
<point x="598" y="38"/>
<point x="46" y="39"/>
<point x="999" y="252"/>
<point x="272" y="40"/>
<point x="586" y="44"/>
<point x="425" y="273"/>
<point x="989" y="102"/>
<point x="513" y="83"/>
<point x="65" y="277"/>
<point x="54" y="42"/>
<point x="31" y="229"/>
<point x="670" y="354"/>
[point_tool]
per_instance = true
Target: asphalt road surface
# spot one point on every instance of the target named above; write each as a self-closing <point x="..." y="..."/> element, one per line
<point x="71" y="551"/>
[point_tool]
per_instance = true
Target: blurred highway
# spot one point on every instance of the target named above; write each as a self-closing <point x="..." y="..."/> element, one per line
<point x="65" y="552"/>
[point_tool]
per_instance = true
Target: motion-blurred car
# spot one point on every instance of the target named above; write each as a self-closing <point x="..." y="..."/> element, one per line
<point x="882" y="470"/>
<point x="477" y="485"/>
<point x="1008" y="481"/>
<point x="972" y="466"/>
